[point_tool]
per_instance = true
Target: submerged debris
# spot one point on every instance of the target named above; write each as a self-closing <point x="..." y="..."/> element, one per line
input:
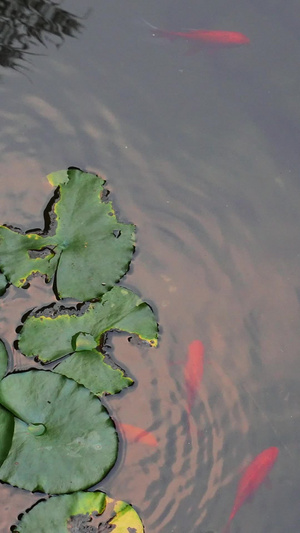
<point x="83" y="523"/>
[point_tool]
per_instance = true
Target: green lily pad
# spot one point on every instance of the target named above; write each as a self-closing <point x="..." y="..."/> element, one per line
<point x="6" y="418"/>
<point x="89" y="369"/>
<point x="84" y="342"/>
<point x="120" y="309"/>
<point x="3" y="359"/>
<point x="90" y="250"/>
<point x="64" y="439"/>
<point x="79" y="512"/>
<point x="6" y="432"/>
<point x="3" y="283"/>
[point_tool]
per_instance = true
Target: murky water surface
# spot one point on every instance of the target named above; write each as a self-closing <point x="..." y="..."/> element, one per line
<point x="201" y="152"/>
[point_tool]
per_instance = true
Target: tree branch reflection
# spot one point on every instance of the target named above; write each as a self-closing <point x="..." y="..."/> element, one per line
<point x="25" y="23"/>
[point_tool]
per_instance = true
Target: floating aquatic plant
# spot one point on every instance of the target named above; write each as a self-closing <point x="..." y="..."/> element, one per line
<point x="84" y="246"/>
<point x="56" y="436"/>
<point x="63" y="438"/>
<point x="79" y="512"/>
<point x="50" y="338"/>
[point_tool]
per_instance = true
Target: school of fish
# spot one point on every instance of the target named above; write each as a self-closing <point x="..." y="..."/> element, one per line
<point x="257" y="471"/>
<point x="254" y="474"/>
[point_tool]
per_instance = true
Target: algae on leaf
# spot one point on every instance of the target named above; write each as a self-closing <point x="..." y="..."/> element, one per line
<point x="119" y="309"/>
<point x="84" y="511"/>
<point x="63" y="439"/>
<point x="89" y="251"/>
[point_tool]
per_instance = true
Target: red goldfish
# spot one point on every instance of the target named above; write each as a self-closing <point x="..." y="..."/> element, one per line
<point x="193" y="371"/>
<point x="200" y="39"/>
<point x="135" y="434"/>
<point x="252" y="478"/>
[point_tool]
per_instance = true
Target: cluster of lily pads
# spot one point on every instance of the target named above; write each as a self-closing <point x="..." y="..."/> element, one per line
<point x="56" y="436"/>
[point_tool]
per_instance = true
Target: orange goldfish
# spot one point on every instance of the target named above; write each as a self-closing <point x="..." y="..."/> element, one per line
<point x="193" y="371"/>
<point x="135" y="434"/>
<point x="253" y="477"/>
<point x="200" y="39"/>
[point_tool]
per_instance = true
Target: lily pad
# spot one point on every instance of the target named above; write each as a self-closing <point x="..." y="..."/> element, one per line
<point x="6" y="432"/>
<point x="3" y="283"/>
<point x="90" y="250"/>
<point x="79" y="512"/>
<point x="89" y="369"/>
<point x="3" y="359"/>
<point x="83" y="342"/>
<point x="126" y="519"/>
<point x="120" y="309"/>
<point x="64" y="439"/>
<point x="6" y="418"/>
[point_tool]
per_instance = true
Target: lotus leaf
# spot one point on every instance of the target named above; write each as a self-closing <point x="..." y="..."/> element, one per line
<point x="64" y="439"/>
<point x="89" y="369"/>
<point x="88" y="253"/>
<point x="119" y="309"/>
<point x="65" y="514"/>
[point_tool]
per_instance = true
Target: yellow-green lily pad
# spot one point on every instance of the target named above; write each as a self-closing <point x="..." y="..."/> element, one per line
<point x="84" y="511"/>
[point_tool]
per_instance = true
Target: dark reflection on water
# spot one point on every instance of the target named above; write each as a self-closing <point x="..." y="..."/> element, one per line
<point x="24" y="23"/>
<point x="202" y="154"/>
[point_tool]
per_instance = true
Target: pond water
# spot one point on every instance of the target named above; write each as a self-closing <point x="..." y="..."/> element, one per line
<point x="201" y="152"/>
